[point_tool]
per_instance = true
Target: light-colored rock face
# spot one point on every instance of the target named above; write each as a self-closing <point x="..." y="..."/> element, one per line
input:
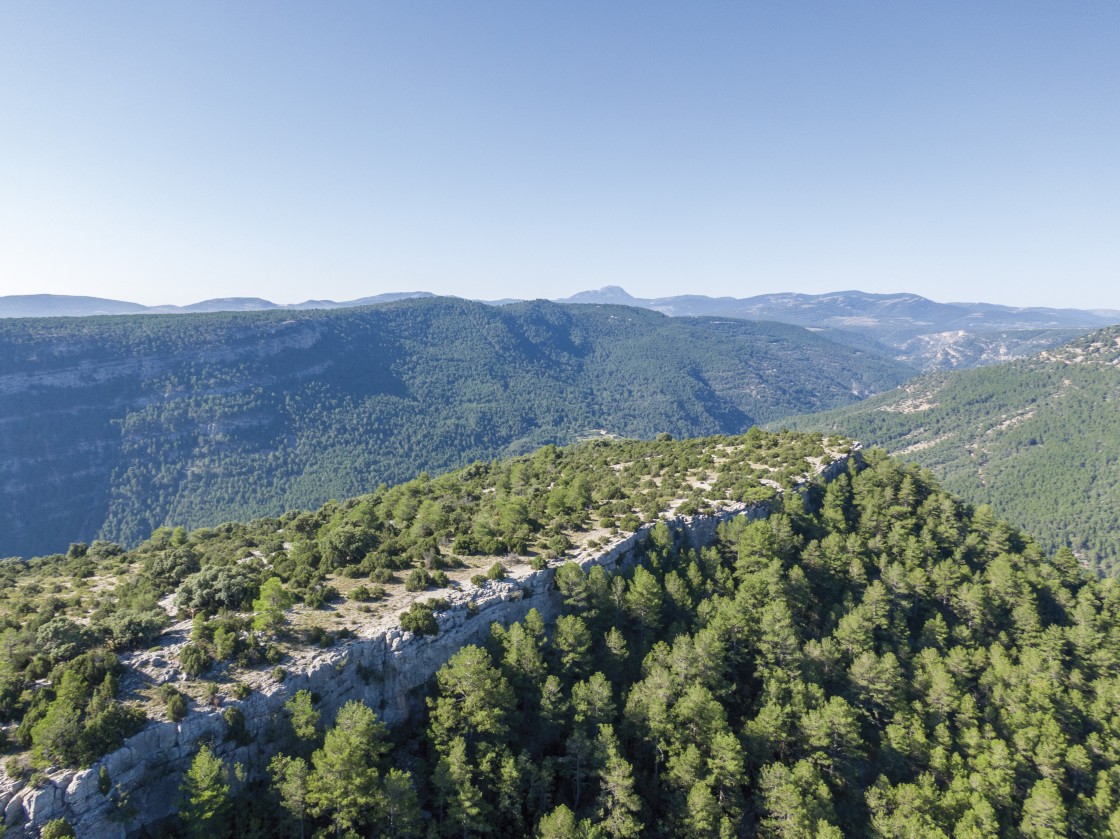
<point x="388" y="671"/>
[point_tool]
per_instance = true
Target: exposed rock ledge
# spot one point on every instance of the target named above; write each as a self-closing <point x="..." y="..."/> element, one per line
<point x="387" y="670"/>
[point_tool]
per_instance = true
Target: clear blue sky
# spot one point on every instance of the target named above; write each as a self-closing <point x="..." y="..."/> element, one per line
<point x="169" y="152"/>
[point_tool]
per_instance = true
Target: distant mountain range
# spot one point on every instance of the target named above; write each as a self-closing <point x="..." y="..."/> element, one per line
<point x="903" y="313"/>
<point x="63" y="305"/>
<point x="907" y="327"/>
<point x="1038" y="439"/>
<point x="113" y="426"/>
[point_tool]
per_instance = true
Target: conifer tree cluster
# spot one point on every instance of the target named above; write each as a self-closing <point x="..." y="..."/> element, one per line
<point x="878" y="661"/>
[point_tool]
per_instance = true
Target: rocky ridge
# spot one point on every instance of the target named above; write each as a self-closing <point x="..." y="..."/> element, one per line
<point x="388" y="670"/>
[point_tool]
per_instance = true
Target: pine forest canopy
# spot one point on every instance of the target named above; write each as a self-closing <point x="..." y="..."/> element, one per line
<point x="883" y="661"/>
<point x="878" y="659"/>
<point x="113" y="426"/>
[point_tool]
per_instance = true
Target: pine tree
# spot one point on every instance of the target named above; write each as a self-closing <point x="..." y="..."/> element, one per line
<point x="702" y="817"/>
<point x="474" y="700"/>
<point x="616" y="651"/>
<point x="561" y="823"/>
<point x="400" y="815"/>
<point x="344" y="785"/>
<point x="290" y="781"/>
<point x="463" y="803"/>
<point x="205" y="794"/>
<point x="572" y="642"/>
<point x="302" y="716"/>
<point x="1044" y="814"/>
<point x="644" y="600"/>
<point x="618" y="804"/>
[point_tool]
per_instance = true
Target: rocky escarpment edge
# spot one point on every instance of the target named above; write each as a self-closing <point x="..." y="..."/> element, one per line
<point x="388" y="671"/>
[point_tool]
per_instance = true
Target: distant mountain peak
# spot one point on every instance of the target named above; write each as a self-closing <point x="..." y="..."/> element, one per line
<point x="229" y="304"/>
<point x="606" y="294"/>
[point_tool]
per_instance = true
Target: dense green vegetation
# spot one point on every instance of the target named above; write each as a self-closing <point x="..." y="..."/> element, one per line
<point x="882" y="662"/>
<point x="1038" y="439"/>
<point x="64" y="619"/>
<point x="115" y="426"/>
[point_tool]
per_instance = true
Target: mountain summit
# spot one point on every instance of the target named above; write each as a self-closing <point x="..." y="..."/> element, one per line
<point x="608" y="294"/>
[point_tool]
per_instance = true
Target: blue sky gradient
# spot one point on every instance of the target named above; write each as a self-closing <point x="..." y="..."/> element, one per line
<point x="169" y="152"/>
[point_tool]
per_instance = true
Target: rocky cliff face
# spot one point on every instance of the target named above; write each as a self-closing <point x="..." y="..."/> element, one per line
<point x="388" y="671"/>
<point x="76" y="413"/>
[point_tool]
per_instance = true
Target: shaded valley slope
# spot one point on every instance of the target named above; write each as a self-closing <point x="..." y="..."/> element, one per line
<point x="114" y="426"/>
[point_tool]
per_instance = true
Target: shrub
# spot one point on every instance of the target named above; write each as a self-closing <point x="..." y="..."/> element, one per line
<point x="215" y="586"/>
<point x="59" y="639"/>
<point x="319" y="596"/>
<point x="132" y="629"/>
<point x="279" y="674"/>
<point x="419" y="620"/>
<point x="382" y="575"/>
<point x="464" y="544"/>
<point x="57" y="829"/>
<point x="102" y="549"/>
<point x="167" y="570"/>
<point x="479" y="580"/>
<point x="418" y="579"/>
<point x="225" y="643"/>
<point x="539" y="563"/>
<point x="194" y="659"/>
<point x="240" y="690"/>
<point x="319" y="637"/>
<point x="235" y="726"/>
<point x="364" y="594"/>
<point x="93" y="667"/>
<point x="106" y="729"/>
<point x="175" y="705"/>
<point x="14" y="769"/>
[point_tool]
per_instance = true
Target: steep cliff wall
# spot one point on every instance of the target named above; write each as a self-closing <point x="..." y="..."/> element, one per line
<point x="388" y="671"/>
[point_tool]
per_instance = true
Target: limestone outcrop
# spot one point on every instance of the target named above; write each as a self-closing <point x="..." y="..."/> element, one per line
<point x="388" y="670"/>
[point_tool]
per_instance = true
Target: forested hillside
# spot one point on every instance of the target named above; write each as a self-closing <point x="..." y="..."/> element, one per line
<point x="114" y="426"/>
<point x="87" y="640"/>
<point x="875" y="659"/>
<point x="906" y="327"/>
<point x="1038" y="439"/>
<point x="883" y="662"/>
